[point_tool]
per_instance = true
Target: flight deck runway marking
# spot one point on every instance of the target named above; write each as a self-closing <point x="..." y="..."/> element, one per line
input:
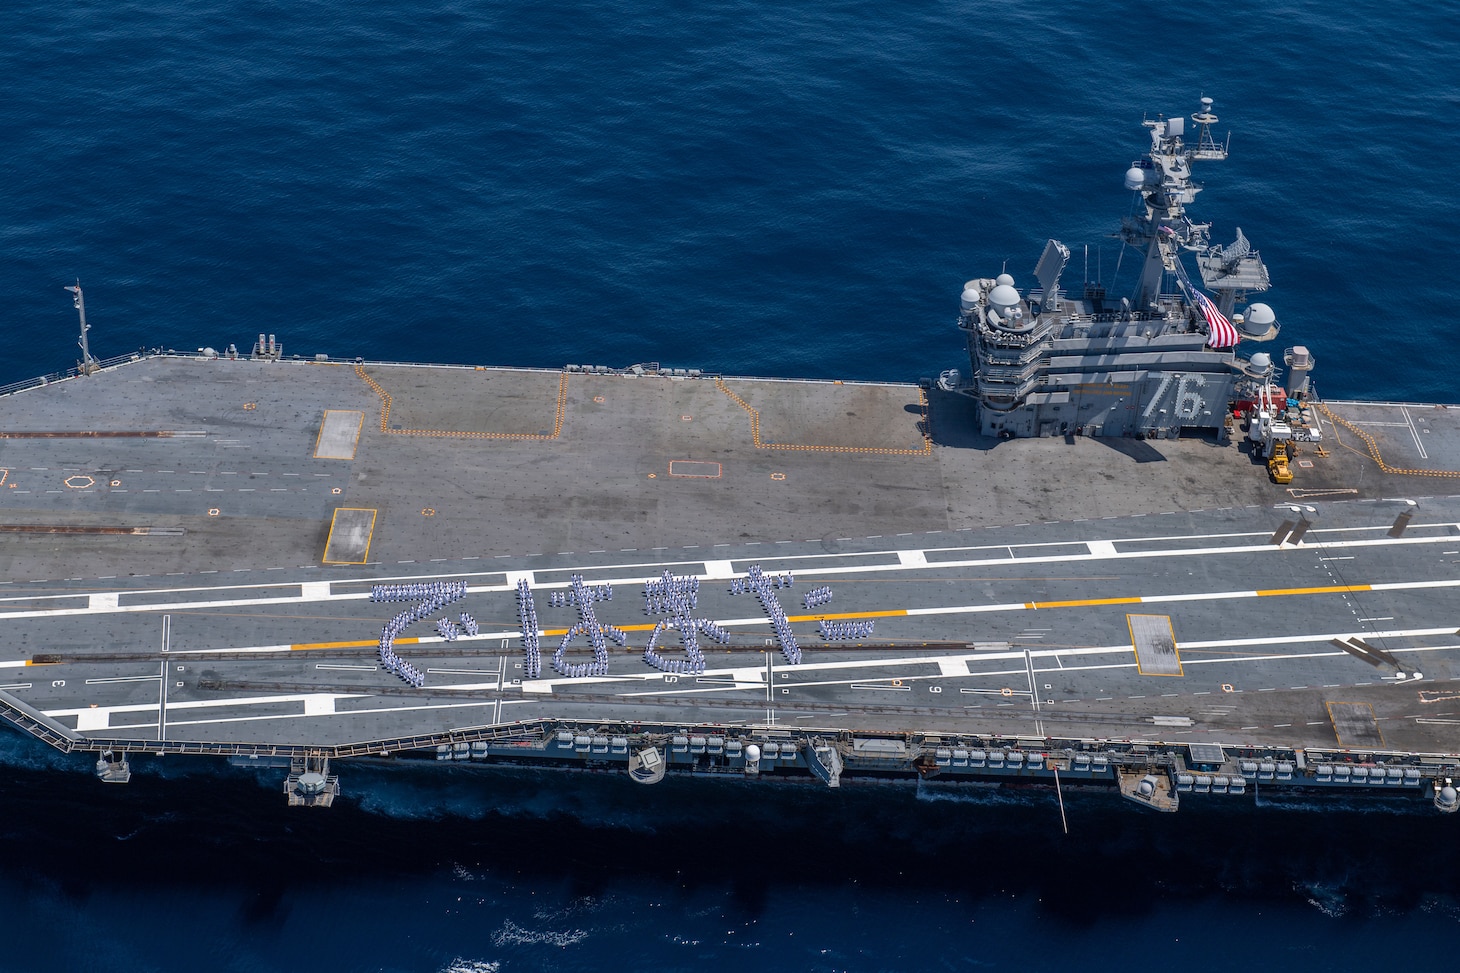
<point x="94" y="718"/>
<point x="513" y="576"/>
<point x="320" y="591"/>
<point x="317" y="592"/>
<point x="546" y="686"/>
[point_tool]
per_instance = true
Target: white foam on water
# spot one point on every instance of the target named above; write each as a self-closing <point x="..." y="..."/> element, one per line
<point x="1327" y="899"/>
<point x="463" y="965"/>
<point x="512" y="934"/>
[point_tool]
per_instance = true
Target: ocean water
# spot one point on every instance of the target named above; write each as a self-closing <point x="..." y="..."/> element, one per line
<point x="793" y="189"/>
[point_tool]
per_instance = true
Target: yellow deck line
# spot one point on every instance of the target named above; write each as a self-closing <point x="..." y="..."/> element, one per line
<point x="1335" y="589"/>
<point x="899" y="613"/>
<point x="1083" y="603"/>
<point x="358" y="644"/>
<point x="890" y="613"/>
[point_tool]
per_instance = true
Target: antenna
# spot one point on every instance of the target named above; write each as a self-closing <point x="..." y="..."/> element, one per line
<point x="1206" y="146"/>
<point x="1060" y="794"/>
<point x="88" y="364"/>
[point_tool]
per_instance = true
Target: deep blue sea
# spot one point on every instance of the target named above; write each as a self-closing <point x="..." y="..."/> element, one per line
<point x="793" y="189"/>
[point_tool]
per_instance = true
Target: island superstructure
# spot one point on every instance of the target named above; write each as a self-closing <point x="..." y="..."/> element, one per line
<point x="659" y="570"/>
<point x="1152" y="364"/>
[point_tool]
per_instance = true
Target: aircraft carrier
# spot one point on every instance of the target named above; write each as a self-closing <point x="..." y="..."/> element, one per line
<point x="1117" y="553"/>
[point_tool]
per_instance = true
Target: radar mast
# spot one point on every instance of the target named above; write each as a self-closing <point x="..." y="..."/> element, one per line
<point x="1163" y="178"/>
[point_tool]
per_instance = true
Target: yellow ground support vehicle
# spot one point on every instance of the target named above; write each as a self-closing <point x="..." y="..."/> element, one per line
<point x="1277" y="465"/>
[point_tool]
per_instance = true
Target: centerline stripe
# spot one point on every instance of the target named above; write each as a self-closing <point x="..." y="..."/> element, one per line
<point x="1015" y="606"/>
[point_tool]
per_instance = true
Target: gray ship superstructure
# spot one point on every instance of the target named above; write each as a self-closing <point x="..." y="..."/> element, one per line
<point x="1151" y="364"/>
<point x="299" y="562"/>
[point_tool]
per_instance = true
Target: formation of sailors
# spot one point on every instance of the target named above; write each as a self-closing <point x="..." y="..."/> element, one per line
<point x="694" y="661"/>
<point x="562" y="599"/>
<point x="680" y="667"/>
<point x="712" y="631"/>
<point x="429" y="597"/>
<point x="573" y="670"/>
<point x="393" y="663"/>
<point x="817" y="597"/>
<point x="576" y="670"/>
<point x="582" y="597"/>
<point x="833" y="631"/>
<point x="668" y="594"/>
<point x="689" y="641"/>
<point x="583" y="601"/>
<point x="422" y="609"/>
<point x="447" y="591"/>
<point x="785" y="636"/>
<point x="468" y="624"/>
<point x="754" y="578"/>
<point x="758" y="583"/>
<point x="527" y="617"/>
<point x="671" y="595"/>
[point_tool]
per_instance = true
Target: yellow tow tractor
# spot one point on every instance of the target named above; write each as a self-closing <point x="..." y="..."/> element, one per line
<point x="1277" y="465"/>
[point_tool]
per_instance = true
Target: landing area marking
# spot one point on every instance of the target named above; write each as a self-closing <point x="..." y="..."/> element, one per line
<point x="316" y="591"/>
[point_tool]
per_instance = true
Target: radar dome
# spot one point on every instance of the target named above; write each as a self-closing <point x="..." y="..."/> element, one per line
<point x="1262" y="361"/>
<point x="1135" y="177"/>
<point x="970" y="298"/>
<point x="1448" y="797"/>
<point x="1258" y="322"/>
<point x="752" y="754"/>
<point x="1261" y="314"/>
<point x="1005" y="279"/>
<point x="1003" y="297"/>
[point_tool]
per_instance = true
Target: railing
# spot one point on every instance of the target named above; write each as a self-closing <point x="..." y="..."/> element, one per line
<point x="537" y="735"/>
<point x="42" y="380"/>
<point x="1038" y="332"/>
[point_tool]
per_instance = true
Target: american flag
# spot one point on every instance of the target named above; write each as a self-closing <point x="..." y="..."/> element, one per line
<point x="1220" y="333"/>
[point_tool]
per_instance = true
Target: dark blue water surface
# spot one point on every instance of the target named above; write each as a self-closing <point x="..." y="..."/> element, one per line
<point x="794" y="189"/>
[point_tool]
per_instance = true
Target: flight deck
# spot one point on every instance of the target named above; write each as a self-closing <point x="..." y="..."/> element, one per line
<point x="194" y="572"/>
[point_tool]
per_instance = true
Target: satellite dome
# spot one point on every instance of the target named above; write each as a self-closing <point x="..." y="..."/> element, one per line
<point x="1258" y="322"/>
<point x="1004" y="279"/>
<point x="971" y="297"/>
<point x="1262" y="361"/>
<point x="1135" y="177"/>
<point x="1003" y="297"/>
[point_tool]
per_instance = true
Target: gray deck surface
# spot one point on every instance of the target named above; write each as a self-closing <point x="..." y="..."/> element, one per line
<point x="1005" y="579"/>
